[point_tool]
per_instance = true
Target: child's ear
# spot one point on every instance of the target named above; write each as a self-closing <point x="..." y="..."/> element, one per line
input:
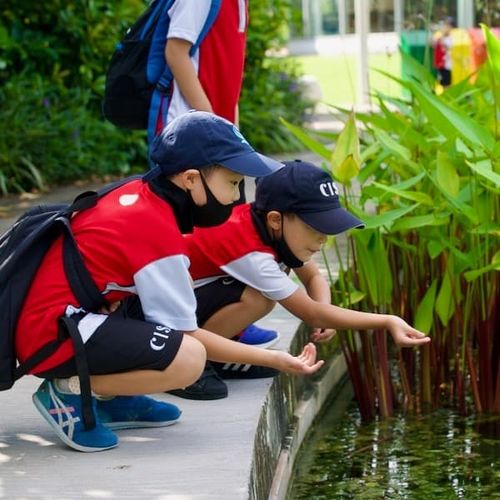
<point x="274" y="220"/>
<point x="190" y="177"/>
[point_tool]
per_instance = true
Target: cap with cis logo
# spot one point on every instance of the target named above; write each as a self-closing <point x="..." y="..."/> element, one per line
<point x="309" y="192"/>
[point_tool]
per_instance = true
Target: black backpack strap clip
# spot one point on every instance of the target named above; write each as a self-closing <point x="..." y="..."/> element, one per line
<point x="69" y="326"/>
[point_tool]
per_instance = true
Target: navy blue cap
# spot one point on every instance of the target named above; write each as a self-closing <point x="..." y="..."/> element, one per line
<point x="199" y="139"/>
<point x="303" y="189"/>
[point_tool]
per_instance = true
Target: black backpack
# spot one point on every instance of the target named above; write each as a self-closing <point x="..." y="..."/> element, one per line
<point x="22" y="249"/>
<point x="138" y="75"/>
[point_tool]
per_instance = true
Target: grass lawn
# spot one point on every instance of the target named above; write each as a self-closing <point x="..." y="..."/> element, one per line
<point x="337" y="75"/>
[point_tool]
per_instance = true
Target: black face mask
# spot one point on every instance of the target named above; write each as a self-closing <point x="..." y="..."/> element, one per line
<point x="213" y="212"/>
<point x="283" y="250"/>
<point x="278" y="244"/>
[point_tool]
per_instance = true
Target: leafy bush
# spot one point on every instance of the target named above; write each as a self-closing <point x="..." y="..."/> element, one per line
<point x="52" y="72"/>
<point x="52" y="67"/>
<point x="270" y="87"/>
<point x="49" y="134"/>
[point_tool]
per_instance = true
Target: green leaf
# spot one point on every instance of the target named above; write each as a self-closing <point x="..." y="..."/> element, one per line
<point x="434" y="248"/>
<point x="424" y="314"/>
<point x="393" y="146"/>
<point x="446" y="175"/>
<point x="493" y="51"/>
<point x="373" y="266"/>
<point x="415" y="69"/>
<point x="444" y="302"/>
<point x="350" y="298"/>
<point x="462" y="148"/>
<point x="484" y="169"/>
<point x="408" y="183"/>
<point x="345" y="158"/>
<point x="409" y="195"/>
<point x="315" y="146"/>
<point x="346" y="171"/>
<point x="452" y="122"/>
<point x="386" y="218"/>
<point x="494" y="266"/>
<point x="408" y="223"/>
<point x="492" y="228"/>
<point x="459" y="205"/>
<point x="368" y="152"/>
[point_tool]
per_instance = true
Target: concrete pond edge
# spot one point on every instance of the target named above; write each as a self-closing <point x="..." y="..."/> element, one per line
<point x="289" y="411"/>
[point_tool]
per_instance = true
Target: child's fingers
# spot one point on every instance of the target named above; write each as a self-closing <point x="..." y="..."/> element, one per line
<point x="313" y="368"/>
<point x="419" y="341"/>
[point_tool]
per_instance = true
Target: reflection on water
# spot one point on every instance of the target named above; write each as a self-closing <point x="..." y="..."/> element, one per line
<point x="435" y="456"/>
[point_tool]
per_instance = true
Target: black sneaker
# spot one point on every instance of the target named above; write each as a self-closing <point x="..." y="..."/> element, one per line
<point x="239" y="371"/>
<point x="209" y="386"/>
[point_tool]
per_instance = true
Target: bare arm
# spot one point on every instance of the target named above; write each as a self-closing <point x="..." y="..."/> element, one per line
<point x="331" y="316"/>
<point x="224" y="350"/>
<point x="177" y="56"/>
<point x="318" y="289"/>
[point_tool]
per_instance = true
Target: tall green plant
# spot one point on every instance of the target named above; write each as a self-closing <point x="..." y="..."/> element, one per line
<point x="428" y="187"/>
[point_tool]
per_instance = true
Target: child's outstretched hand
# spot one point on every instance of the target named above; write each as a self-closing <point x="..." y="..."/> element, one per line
<point x="323" y="334"/>
<point x="303" y="364"/>
<point x="405" y="335"/>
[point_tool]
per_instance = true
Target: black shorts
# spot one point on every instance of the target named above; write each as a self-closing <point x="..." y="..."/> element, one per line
<point x="215" y="295"/>
<point x="123" y="342"/>
<point x="444" y="77"/>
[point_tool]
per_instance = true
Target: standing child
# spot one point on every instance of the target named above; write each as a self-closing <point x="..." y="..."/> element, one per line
<point x="442" y="52"/>
<point x="132" y="244"/>
<point x="240" y="268"/>
<point x="210" y="79"/>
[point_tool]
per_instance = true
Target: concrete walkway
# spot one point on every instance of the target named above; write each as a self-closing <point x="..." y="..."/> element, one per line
<point x="207" y="455"/>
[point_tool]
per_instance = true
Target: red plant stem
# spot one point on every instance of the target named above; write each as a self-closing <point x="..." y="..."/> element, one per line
<point x="495" y="349"/>
<point x="426" y="376"/>
<point x="496" y="404"/>
<point x="370" y="372"/>
<point x="473" y="378"/>
<point x="407" y="396"/>
<point x="354" y="369"/>
<point x="384" y="380"/>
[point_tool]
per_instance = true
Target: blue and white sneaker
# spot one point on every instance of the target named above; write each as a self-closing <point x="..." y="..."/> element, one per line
<point x="63" y="412"/>
<point x="257" y="337"/>
<point x="132" y="412"/>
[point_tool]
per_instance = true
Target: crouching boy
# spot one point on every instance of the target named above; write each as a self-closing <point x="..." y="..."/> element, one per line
<point x="240" y="268"/>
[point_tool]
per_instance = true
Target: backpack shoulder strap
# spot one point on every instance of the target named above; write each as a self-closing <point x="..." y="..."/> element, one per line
<point x="82" y="284"/>
<point x="159" y="93"/>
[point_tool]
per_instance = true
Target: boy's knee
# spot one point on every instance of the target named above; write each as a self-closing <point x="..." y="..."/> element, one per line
<point x="191" y="359"/>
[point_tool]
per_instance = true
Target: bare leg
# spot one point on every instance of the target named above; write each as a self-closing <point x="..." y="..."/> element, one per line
<point x="233" y="318"/>
<point x="185" y="369"/>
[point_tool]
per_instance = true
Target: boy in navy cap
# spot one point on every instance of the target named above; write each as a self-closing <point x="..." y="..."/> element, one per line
<point x="133" y="247"/>
<point x="240" y="267"/>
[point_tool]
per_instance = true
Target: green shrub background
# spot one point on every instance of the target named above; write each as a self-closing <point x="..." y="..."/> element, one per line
<point x="53" y="58"/>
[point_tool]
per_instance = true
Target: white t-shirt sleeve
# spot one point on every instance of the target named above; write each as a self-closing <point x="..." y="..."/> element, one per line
<point x="187" y="18"/>
<point x="166" y="292"/>
<point x="259" y="270"/>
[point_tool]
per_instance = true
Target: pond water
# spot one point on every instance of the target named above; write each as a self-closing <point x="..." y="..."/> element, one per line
<point x="436" y="456"/>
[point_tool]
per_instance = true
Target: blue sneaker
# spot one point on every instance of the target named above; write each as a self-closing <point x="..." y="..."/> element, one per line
<point x="258" y="337"/>
<point x="132" y="412"/>
<point x="64" y="415"/>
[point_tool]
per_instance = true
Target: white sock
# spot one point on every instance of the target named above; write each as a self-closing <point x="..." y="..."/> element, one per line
<point x="71" y="385"/>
